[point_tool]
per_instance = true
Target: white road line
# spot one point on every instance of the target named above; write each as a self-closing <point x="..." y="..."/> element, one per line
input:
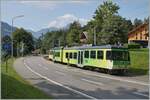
<point x="118" y="79"/>
<point x="109" y="77"/>
<point x="141" y="94"/>
<point x="43" y="66"/>
<point x="60" y="73"/>
<point x="59" y="84"/>
<point x="93" y="82"/>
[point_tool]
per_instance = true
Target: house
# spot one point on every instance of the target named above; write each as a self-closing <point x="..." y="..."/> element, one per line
<point x="140" y="35"/>
<point x="84" y="37"/>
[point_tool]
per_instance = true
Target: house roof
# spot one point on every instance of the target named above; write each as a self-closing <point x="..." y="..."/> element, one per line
<point x="84" y="35"/>
<point x="130" y="32"/>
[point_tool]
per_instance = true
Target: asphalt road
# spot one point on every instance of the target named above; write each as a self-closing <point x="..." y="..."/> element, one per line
<point x="65" y="82"/>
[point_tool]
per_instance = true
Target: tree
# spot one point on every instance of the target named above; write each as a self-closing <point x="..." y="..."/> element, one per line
<point x="107" y="10"/>
<point x="115" y="30"/>
<point x="110" y="28"/>
<point x="146" y="20"/>
<point x="22" y="36"/>
<point x="137" y="22"/>
<point x="74" y="34"/>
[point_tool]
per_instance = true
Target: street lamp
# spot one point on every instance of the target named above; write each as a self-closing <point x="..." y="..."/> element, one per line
<point x="12" y="33"/>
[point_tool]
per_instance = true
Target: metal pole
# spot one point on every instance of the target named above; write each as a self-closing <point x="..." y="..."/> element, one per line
<point x="94" y="35"/>
<point x="42" y="45"/>
<point x="22" y="47"/>
<point x="59" y="42"/>
<point x="12" y="41"/>
<point x="18" y="49"/>
<point x="12" y="51"/>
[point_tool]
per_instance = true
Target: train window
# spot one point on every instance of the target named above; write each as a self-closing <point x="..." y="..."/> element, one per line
<point x="70" y="55"/>
<point x="99" y="54"/>
<point x="75" y="55"/>
<point x="86" y="54"/>
<point x="66" y="54"/>
<point x="93" y="54"/>
<point x="108" y="55"/>
<point x="117" y="55"/>
<point x="57" y="54"/>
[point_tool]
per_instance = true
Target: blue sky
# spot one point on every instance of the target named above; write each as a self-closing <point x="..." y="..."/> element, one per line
<point x="58" y="13"/>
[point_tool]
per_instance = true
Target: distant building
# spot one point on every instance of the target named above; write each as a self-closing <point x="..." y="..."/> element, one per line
<point x="140" y="35"/>
<point x="84" y="37"/>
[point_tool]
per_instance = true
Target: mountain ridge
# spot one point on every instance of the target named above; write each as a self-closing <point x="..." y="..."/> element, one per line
<point x="6" y="30"/>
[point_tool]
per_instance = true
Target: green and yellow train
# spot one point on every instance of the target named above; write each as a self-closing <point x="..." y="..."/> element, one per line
<point x="108" y="58"/>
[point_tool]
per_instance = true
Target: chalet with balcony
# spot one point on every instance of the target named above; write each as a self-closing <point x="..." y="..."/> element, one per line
<point x="140" y="35"/>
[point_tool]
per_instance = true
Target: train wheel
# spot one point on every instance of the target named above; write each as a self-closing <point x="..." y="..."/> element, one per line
<point x="110" y="72"/>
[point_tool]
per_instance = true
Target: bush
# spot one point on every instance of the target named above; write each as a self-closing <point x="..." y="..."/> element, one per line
<point x="132" y="46"/>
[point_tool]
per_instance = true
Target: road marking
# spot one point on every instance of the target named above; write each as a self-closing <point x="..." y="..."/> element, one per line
<point x="60" y="72"/>
<point x="93" y="82"/>
<point x="109" y="77"/>
<point x="43" y="66"/>
<point x="118" y="79"/>
<point x="141" y="94"/>
<point x="59" y="84"/>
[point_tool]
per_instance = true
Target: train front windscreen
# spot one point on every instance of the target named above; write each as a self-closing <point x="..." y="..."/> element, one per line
<point x="117" y="55"/>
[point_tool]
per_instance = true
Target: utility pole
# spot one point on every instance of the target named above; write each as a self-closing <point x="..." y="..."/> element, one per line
<point x="42" y="44"/>
<point x="94" y="30"/>
<point x="18" y="49"/>
<point x="22" y="48"/>
<point x="12" y="55"/>
<point x="12" y="51"/>
<point x="59" y="43"/>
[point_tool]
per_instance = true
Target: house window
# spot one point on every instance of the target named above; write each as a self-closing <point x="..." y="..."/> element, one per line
<point x="136" y="36"/>
<point x="145" y="37"/>
<point x="141" y="36"/>
<point x="93" y="54"/>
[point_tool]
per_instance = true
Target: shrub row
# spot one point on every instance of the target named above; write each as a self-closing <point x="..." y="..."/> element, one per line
<point x="132" y="46"/>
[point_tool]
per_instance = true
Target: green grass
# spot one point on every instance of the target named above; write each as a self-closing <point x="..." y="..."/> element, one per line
<point x="14" y="87"/>
<point x="139" y="61"/>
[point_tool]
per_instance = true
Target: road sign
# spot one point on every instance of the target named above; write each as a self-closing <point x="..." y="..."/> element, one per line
<point x="7" y="47"/>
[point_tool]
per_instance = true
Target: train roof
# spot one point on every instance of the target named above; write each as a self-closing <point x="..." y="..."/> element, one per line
<point x="96" y="47"/>
<point x="90" y="47"/>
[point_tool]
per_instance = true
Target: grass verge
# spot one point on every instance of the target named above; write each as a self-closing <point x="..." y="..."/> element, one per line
<point x="139" y="61"/>
<point x="14" y="87"/>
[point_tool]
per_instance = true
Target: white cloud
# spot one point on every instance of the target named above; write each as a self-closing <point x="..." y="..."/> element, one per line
<point x="66" y="19"/>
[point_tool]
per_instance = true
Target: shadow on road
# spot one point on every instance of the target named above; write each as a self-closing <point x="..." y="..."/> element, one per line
<point x="61" y="93"/>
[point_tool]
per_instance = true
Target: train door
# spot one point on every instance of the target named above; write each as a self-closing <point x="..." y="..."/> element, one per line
<point x="80" y="58"/>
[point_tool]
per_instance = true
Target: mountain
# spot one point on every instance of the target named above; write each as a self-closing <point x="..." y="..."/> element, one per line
<point x="45" y="30"/>
<point x="6" y="29"/>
